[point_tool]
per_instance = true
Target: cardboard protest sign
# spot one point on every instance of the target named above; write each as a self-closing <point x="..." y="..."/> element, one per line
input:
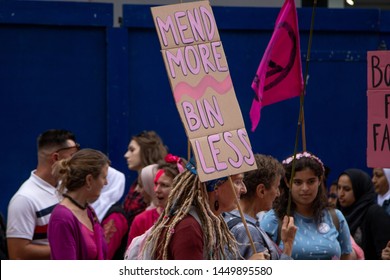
<point x="202" y="88"/>
<point x="378" y="102"/>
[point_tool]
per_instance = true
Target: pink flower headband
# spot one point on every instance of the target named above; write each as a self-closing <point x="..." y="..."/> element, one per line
<point x="302" y="155"/>
<point x="169" y="158"/>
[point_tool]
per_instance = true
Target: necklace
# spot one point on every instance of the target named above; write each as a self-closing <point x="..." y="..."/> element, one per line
<point x="75" y="202"/>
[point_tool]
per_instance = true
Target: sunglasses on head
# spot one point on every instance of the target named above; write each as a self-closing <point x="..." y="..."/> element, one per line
<point x="76" y="146"/>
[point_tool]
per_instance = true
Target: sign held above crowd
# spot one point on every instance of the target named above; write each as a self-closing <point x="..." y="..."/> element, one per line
<point x="378" y="102"/>
<point x="202" y="88"/>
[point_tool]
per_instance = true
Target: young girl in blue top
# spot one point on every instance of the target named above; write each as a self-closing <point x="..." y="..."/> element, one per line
<point x="317" y="237"/>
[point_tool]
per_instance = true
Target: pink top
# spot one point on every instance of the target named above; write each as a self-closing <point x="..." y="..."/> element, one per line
<point x="358" y="251"/>
<point x="90" y="244"/>
<point x="142" y="222"/>
<point x="70" y="240"/>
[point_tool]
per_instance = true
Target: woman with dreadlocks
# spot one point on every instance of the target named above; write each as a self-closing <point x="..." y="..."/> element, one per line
<point x="191" y="225"/>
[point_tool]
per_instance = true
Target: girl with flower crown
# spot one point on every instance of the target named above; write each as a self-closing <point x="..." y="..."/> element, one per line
<point x="317" y="237"/>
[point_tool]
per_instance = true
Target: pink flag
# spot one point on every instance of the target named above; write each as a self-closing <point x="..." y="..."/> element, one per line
<point x="279" y="75"/>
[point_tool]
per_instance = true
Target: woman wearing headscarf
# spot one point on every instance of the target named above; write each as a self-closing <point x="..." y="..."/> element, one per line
<point x="166" y="171"/>
<point x="381" y="181"/>
<point x="369" y="224"/>
<point x="146" y="185"/>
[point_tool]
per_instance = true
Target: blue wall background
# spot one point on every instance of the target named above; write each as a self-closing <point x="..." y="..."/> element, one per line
<point x="63" y="65"/>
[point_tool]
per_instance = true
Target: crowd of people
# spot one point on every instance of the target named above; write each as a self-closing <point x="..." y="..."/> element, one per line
<point x="73" y="207"/>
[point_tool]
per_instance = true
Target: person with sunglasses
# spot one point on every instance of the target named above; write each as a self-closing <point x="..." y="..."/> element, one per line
<point x="30" y="208"/>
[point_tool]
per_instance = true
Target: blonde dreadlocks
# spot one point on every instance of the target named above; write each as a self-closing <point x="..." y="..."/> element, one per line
<point x="187" y="192"/>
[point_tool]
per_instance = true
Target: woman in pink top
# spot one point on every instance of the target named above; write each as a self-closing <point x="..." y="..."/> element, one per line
<point x="74" y="231"/>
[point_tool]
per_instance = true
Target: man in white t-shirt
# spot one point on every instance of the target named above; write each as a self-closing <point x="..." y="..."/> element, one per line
<point x="30" y="208"/>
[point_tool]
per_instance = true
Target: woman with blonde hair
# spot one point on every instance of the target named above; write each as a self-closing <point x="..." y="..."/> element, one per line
<point x="74" y="230"/>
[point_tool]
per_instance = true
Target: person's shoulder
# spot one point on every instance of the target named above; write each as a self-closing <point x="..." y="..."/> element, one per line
<point x="62" y="212"/>
<point x="115" y="175"/>
<point x="25" y="188"/>
<point x="228" y="216"/>
<point x="269" y="216"/>
<point x="374" y="208"/>
<point x="333" y="211"/>
<point x="188" y="222"/>
<point x="377" y="212"/>
<point x="144" y="215"/>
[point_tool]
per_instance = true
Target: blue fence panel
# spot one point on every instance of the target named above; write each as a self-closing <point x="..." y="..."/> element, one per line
<point x="52" y="75"/>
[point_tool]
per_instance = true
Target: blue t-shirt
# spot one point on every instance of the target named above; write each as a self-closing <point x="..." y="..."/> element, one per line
<point x="312" y="241"/>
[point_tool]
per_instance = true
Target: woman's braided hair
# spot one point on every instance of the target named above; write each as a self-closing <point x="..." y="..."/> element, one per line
<point x="188" y="191"/>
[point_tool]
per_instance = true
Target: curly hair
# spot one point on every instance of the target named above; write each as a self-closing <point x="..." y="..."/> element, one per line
<point x="268" y="168"/>
<point x="187" y="192"/>
<point x="307" y="161"/>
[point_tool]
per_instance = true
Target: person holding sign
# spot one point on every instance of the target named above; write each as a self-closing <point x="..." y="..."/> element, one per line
<point x="191" y="225"/>
<point x="262" y="188"/>
<point x="317" y="237"/>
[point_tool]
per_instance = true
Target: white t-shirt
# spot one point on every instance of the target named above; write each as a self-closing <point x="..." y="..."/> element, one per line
<point x="30" y="209"/>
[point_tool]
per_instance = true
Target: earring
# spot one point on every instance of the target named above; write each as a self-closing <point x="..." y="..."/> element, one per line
<point x="216" y="202"/>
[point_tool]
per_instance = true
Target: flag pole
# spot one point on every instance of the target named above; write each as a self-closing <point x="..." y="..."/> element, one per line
<point x="301" y="118"/>
<point x="302" y="115"/>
